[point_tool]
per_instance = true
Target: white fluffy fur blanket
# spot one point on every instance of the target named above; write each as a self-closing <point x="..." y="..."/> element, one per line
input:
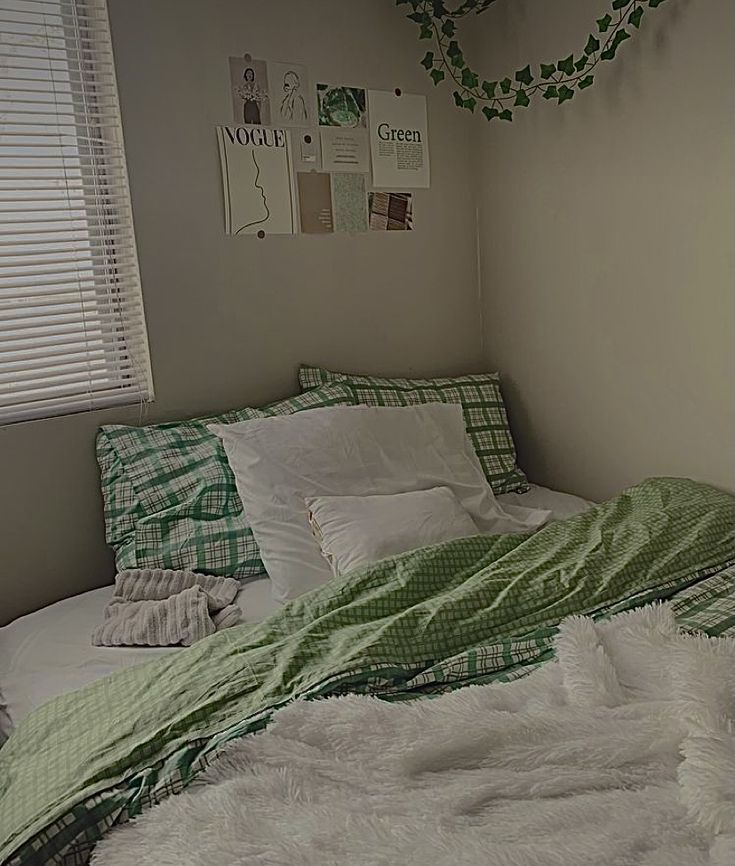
<point x="622" y="752"/>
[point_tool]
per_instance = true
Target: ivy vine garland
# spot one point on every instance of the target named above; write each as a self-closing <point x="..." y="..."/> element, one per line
<point x="555" y="80"/>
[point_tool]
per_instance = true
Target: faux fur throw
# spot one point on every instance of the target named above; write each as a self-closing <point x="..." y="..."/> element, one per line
<point x="160" y="607"/>
<point x="621" y="753"/>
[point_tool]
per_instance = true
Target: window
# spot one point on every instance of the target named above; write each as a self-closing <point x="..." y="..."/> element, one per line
<point x="72" y="326"/>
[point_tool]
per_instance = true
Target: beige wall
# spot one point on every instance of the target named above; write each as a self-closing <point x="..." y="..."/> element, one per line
<point x="607" y="249"/>
<point x="230" y="318"/>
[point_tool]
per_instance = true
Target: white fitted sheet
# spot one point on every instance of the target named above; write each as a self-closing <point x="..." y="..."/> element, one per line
<point x="48" y="653"/>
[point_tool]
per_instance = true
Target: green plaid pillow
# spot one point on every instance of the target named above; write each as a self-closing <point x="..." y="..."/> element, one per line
<point x="479" y="396"/>
<point x="169" y="494"/>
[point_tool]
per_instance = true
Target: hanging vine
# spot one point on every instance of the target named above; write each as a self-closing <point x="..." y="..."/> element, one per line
<point x="557" y="80"/>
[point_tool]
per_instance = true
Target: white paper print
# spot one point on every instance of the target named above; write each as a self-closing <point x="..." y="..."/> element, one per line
<point x="250" y="98"/>
<point x="345" y="150"/>
<point x="291" y="95"/>
<point x="399" y="140"/>
<point x="256" y="178"/>
<point x="343" y="128"/>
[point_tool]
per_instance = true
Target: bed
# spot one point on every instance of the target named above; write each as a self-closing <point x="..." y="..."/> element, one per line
<point x="48" y="653"/>
<point x="407" y="557"/>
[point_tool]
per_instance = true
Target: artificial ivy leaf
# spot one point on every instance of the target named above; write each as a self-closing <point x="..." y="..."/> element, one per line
<point x="603" y="23"/>
<point x="551" y="92"/>
<point x="437" y="75"/>
<point x="635" y="16"/>
<point x="490" y="113"/>
<point x="619" y="37"/>
<point x="458" y="99"/>
<point x="548" y="69"/>
<point x="428" y="60"/>
<point x="454" y="52"/>
<point x="566" y="65"/>
<point x="440" y="10"/>
<point x="521" y="98"/>
<point x="426" y="32"/>
<point x="505" y="85"/>
<point x="506" y="114"/>
<point x="489" y="88"/>
<point x="620" y="4"/>
<point x="585" y="82"/>
<point x="654" y="3"/>
<point x="470" y="103"/>
<point x="420" y="17"/>
<point x="524" y="75"/>
<point x="581" y="63"/>
<point x="469" y="79"/>
<point x="449" y="28"/>
<point x="565" y="93"/>
<point x="592" y="45"/>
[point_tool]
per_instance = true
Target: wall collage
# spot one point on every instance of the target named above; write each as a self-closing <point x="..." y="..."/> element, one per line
<point x="319" y="158"/>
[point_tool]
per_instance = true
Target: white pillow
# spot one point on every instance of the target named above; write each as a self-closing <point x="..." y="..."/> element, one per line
<point x="353" y="531"/>
<point x="350" y="450"/>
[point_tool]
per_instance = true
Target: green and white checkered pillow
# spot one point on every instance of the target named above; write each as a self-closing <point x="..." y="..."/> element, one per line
<point x="169" y="494"/>
<point x="479" y="395"/>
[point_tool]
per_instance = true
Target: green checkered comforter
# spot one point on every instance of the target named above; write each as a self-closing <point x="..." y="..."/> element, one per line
<point x="469" y="611"/>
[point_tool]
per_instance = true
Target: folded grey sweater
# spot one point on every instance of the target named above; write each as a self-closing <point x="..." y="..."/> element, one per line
<point x="161" y="607"/>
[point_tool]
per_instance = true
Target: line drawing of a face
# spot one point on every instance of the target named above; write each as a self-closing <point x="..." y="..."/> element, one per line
<point x="291" y="82"/>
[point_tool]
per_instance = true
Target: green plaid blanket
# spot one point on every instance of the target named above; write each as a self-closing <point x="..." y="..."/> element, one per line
<point x="469" y="611"/>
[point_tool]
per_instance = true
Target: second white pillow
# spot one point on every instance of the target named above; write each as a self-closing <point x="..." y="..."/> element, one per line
<point x="354" y="531"/>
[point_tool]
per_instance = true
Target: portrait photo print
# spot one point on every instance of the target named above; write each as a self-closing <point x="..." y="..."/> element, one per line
<point x="250" y="97"/>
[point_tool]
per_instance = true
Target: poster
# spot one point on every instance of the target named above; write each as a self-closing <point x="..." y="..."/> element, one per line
<point x="343" y="128"/>
<point x="349" y="203"/>
<point x="290" y="94"/>
<point x="256" y="178"/>
<point x="315" y="202"/>
<point x="306" y="151"/>
<point x="249" y="86"/>
<point x="399" y="140"/>
<point x="391" y="211"/>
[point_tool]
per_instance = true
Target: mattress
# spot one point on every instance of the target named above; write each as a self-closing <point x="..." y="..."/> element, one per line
<point x="48" y="653"/>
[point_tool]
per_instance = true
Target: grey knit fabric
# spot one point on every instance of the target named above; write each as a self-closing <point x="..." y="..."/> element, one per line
<point x="144" y="584"/>
<point x="157" y="607"/>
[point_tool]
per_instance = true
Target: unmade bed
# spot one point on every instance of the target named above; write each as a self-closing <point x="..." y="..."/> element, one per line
<point x="48" y="653"/>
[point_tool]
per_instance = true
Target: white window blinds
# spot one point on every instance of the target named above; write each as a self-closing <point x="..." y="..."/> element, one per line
<point x="72" y="326"/>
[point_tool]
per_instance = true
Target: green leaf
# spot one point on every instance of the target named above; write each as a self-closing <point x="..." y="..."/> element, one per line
<point x="581" y="63"/>
<point x="470" y="103"/>
<point x="566" y="65"/>
<point x="593" y="44"/>
<point x="428" y="60"/>
<point x="506" y="114"/>
<point x="505" y="85"/>
<point x="635" y="16"/>
<point x="449" y="28"/>
<point x="604" y="23"/>
<point x="565" y="93"/>
<point x="489" y="88"/>
<point x="548" y="69"/>
<point x="620" y="4"/>
<point x="437" y="75"/>
<point x="551" y="92"/>
<point x="490" y="113"/>
<point x="458" y="99"/>
<point x="524" y="75"/>
<point x="654" y="3"/>
<point x="454" y="52"/>
<point x="420" y="17"/>
<point x="426" y="32"/>
<point x="469" y="79"/>
<point x="522" y="98"/>
<point x="619" y="37"/>
<point x="585" y="82"/>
